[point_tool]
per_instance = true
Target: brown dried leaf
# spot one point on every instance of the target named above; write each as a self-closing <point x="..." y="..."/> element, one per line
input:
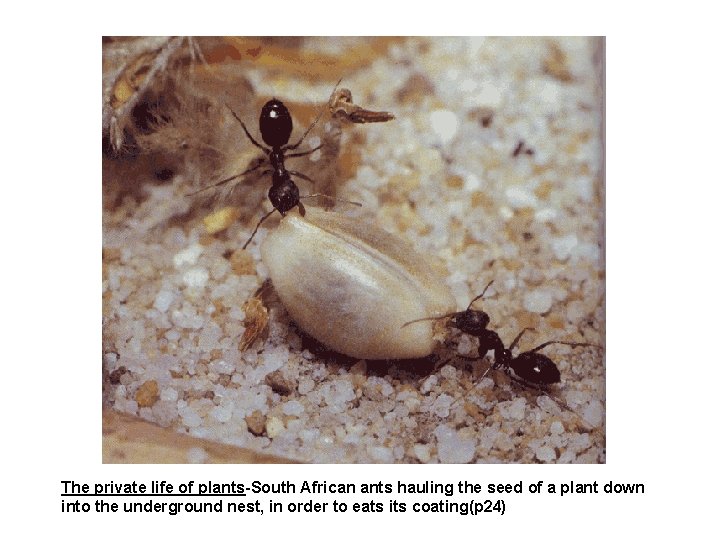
<point x="342" y="106"/>
<point x="256" y="319"/>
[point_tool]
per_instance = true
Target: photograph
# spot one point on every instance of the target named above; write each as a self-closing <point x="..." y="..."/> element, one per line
<point x="353" y="250"/>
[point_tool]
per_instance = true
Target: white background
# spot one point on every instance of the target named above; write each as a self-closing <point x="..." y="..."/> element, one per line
<point x="662" y="226"/>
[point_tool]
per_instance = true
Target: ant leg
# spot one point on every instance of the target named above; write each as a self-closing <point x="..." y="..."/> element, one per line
<point x="515" y="341"/>
<point x="260" y="146"/>
<point x="318" y="147"/>
<point x="301" y="175"/>
<point x="570" y="343"/>
<point x="317" y="119"/>
<point x="257" y="227"/>
<point x="223" y="182"/>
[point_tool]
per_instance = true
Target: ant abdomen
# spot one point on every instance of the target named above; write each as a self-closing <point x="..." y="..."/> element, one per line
<point x="535" y="369"/>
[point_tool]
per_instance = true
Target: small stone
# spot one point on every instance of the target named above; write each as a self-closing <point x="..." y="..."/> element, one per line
<point x="538" y="301"/>
<point x="593" y="413"/>
<point x="422" y="452"/>
<point x="513" y="410"/>
<point x="305" y="386"/>
<point x="556" y="428"/>
<point x="454" y="449"/>
<point x="381" y="454"/>
<point x="274" y="426"/>
<point x="147" y="394"/>
<point x="221" y="414"/>
<point x="519" y="197"/>
<point x="293" y="408"/>
<point x="474" y="411"/>
<point x="563" y="246"/>
<point x="196" y="277"/>
<point x="242" y="262"/>
<point x="169" y="394"/>
<point x="277" y="381"/>
<point x="221" y="219"/>
<point x="545" y="454"/>
<point x="190" y="417"/>
<point x="197" y="455"/>
<point x="487" y="95"/>
<point x="445" y="125"/>
<point x="429" y="384"/>
<point x="255" y="422"/>
<point x="116" y="374"/>
<point x="188" y="256"/>
<point x="163" y="300"/>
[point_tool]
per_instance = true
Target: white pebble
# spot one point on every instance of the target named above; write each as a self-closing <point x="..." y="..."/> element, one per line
<point x="168" y="394"/>
<point x="293" y="408"/>
<point x="514" y="410"/>
<point x="538" y="301"/>
<point x="222" y="367"/>
<point x="519" y="197"/>
<point x="593" y="413"/>
<point x="563" y="246"/>
<point x="190" y="418"/>
<point x="545" y="454"/>
<point x="163" y="300"/>
<point x="549" y="93"/>
<point x="274" y="427"/>
<point x="556" y="428"/>
<point x="422" y="452"/>
<point x="188" y="256"/>
<point x="381" y="454"/>
<point x="197" y="455"/>
<point x="338" y="392"/>
<point x="221" y="414"/>
<point x="545" y="215"/>
<point x="196" y="277"/>
<point x="488" y="96"/>
<point x="209" y="337"/>
<point x="429" y="384"/>
<point x="441" y="406"/>
<point x="445" y="125"/>
<point x="452" y="448"/>
<point x="305" y="385"/>
<point x="472" y="182"/>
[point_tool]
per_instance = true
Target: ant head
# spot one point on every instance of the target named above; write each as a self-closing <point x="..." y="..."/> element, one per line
<point x="284" y="193"/>
<point x="535" y="368"/>
<point x="275" y="123"/>
<point x="470" y="321"/>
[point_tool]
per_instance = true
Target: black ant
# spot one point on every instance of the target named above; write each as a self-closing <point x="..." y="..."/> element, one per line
<point x="276" y="126"/>
<point x="529" y="368"/>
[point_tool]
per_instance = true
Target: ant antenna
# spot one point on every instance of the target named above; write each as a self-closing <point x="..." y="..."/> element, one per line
<point x="479" y="296"/>
<point x="437" y="318"/>
<point x="309" y="129"/>
<point x="454" y="313"/>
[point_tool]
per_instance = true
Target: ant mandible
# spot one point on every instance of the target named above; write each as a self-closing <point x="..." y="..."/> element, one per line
<point x="529" y="368"/>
